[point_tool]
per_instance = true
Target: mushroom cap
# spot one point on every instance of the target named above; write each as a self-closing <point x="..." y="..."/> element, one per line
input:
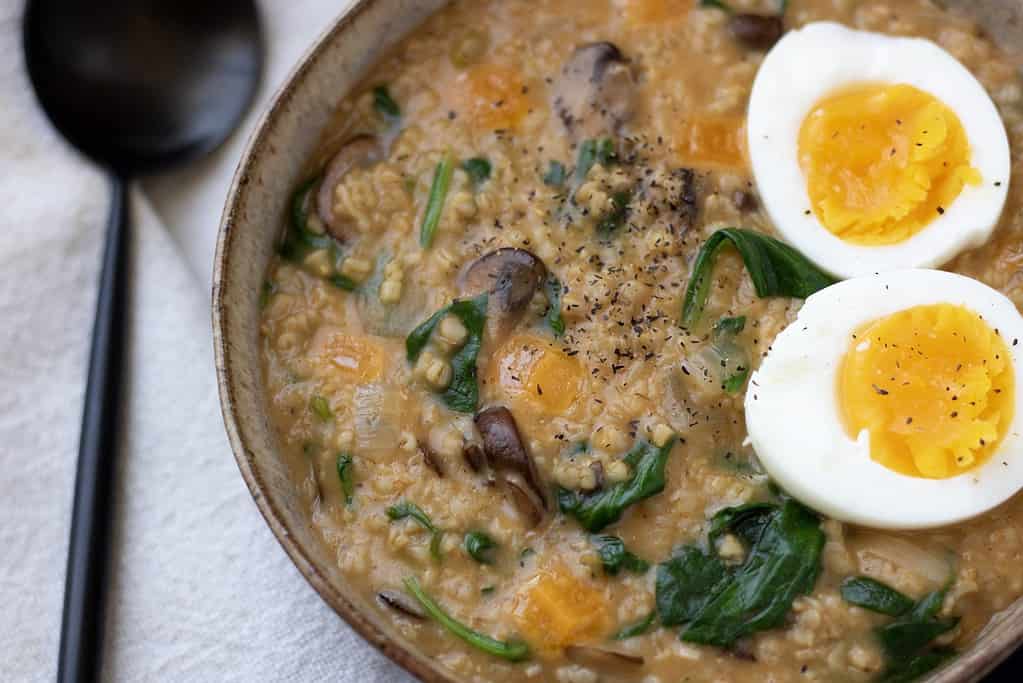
<point x="511" y="276"/>
<point x="358" y="152"/>
<point x="595" y="93"/>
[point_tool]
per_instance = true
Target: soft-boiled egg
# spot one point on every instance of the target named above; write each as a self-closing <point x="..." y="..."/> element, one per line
<point x="893" y="400"/>
<point x="873" y="152"/>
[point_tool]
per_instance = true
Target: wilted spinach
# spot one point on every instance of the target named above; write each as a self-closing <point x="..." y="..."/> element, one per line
<point x="597" y="509"/>
<point x="721" y="604"/>
<point x="462" y="394"/>
<point x="615" y="557"/>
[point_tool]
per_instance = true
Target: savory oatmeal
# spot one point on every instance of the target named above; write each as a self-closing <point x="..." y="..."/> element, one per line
<point x="524" y="346"/>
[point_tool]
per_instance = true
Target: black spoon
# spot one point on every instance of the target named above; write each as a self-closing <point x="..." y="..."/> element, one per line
<point x="137" y="86"/>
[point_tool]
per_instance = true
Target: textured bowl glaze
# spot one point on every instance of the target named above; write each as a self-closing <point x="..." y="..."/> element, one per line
<point x="283" y="140"/>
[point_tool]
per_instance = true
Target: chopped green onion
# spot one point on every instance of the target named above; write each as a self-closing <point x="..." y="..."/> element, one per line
<point x="435" y="203"/>
<point x="636" y="629"/>
<point x="555" y="175"/>
<point x="479" y="545"/>
<point x="406" y="509"/>
<point x="319" y="405"/>
<point x="478" y="170"/>
<point x="385" y="104"/>
<point x="343" y="282"/>
<point x="345" y="465"/>
<point x="512" y="650"/>
<point x="552" y="318"/>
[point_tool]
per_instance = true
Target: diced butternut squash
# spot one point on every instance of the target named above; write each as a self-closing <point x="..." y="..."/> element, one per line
<point x="358" y="358"/>
<point x="555" y="609"/>
<point x="493" y="96"/>
<point x="536" y="374"/>
<point x="715" y="142"/>
<point x="639" y="12"/>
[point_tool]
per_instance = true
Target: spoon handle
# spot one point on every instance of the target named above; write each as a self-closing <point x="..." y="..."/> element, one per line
<point x="81" y="634"/>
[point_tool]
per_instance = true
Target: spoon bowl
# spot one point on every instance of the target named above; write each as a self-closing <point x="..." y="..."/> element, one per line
<point x="137" y="86"/>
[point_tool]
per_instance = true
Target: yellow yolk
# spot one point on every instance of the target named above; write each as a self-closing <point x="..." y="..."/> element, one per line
<point x="933" y="385"/>
<point x="537" y="373"/>
<point x="882" y="162"/>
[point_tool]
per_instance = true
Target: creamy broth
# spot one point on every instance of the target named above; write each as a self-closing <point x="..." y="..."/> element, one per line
<point x="480" y="80"/>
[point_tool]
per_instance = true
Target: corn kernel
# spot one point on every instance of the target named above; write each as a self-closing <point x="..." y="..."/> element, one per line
<point x="616" y="472"/>
<point x="355" y="268"/>
<point x="451" y="333"/>
<point x="390" y="291"/>
<point x="438" y="374"/>
<point x="662" y="434"/>
<point x="318" y="262"/>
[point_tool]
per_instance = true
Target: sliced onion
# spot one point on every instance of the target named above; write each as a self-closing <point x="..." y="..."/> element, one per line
<point x="604" y="659"/>
<point x="907" y="556"/>
<point x="378" y="410"/>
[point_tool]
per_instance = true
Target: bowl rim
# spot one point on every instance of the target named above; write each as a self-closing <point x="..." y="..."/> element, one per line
<point x="969" y="666"/>
<point x="259" y="142"/>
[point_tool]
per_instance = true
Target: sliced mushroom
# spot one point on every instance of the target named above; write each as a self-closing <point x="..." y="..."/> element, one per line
<point x="401" y="604"/>
<point x="507" y="454"/>
<point x="511" y="276"/>
<point x="474" y="457"/>
<point x="432" y="460"/>
<point x="756" y="31"/>
<point x="599" y="479"/>
<point x="595" y="93"/>
<point x="358" y="152"/>
<point x="599" y="658"/>
<point x="527" y="502"/>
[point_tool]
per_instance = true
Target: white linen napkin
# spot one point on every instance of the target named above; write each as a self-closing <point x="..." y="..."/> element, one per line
<point x="200" y="589"/>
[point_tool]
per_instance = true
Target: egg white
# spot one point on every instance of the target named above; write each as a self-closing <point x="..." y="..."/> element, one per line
<point x="821" y="58"/>
<point x="795" y="424"/>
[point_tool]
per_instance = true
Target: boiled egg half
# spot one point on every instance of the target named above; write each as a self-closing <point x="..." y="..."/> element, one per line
<point x="893" y="400"/>
<point x="874" y="152"/>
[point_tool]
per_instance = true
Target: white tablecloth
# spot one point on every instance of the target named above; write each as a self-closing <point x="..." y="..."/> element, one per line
<point x="201" y="591"/>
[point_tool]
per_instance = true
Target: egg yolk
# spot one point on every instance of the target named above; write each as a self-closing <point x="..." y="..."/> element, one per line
<point x="933" y="385"/>
<point x="882" y="162"/>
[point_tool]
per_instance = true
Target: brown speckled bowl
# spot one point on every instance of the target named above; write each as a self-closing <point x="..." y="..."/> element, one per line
<point x="283" y="139"/>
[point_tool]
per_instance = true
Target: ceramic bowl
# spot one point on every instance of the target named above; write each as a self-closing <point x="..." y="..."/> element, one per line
<point x="283" y="140"/>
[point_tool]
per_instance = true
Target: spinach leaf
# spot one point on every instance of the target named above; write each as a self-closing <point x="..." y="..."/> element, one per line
<point x="745" y="521"/>
<point x="555" y="175"/>
<point x="435" y="202"/>
<point x="596" y="510"/>
<point x="299" y="240"/>
<point x="636" y="629"/>
<point x="721" y="604"/>
<point x="512" y="650"/>
<point x="478" y="545"/>
<point x="345" y="467"/>
<point x="915" y="667"/>
<point x="385" y="104"/>
<point x="610" y="222"/>
<point x="552" y="289"/>
<point x="685" y="583"/>
<point x="462" y="394"/>
<point x="409" y="510"/>
<point x="775" y="268"/>
<point x="905" y="641"/>
<point x="478" y="170"/>
<point x="868" y="593"/>
<point x="616" y="557"/>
